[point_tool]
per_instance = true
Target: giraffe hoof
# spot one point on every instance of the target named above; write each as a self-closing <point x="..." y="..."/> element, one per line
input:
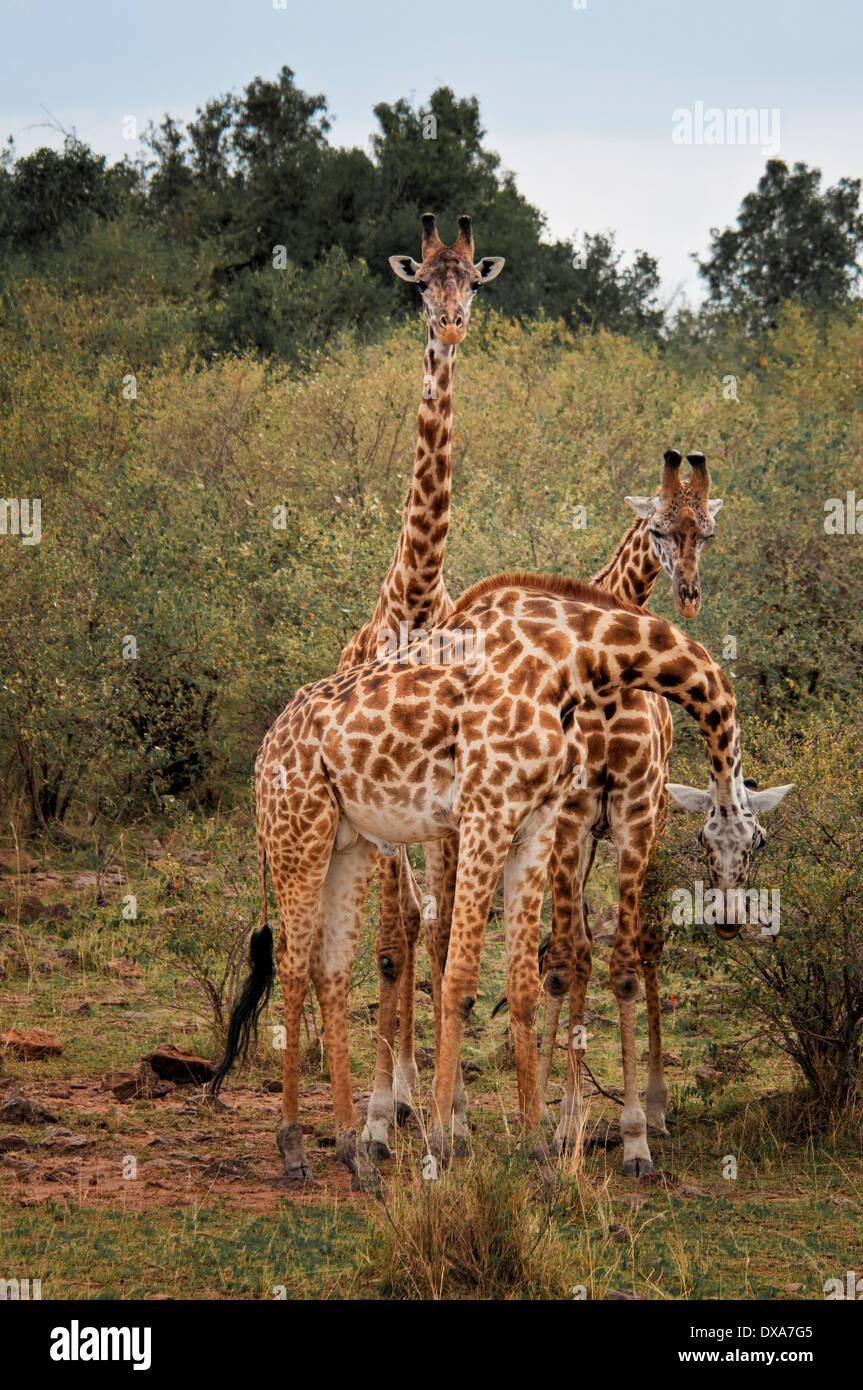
<point x="637" y="1167"/>
<point x="298" y="1176"/>
<point x="379" y="1152"/>
<point x="438" y="1144"/>
<point x="658" y="1130"/>
<point x="404" y="1112"/>
<point x="460" y="1146"/>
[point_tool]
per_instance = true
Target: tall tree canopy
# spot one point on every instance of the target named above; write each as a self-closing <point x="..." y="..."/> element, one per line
<point x="207" y="202"/>
<point x="791" y="242"/>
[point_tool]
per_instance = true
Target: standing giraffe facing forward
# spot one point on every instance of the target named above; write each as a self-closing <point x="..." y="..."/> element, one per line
<point x="634" y="735"/>
<point x="388" y="753"/>
<point x="623" y="796"/>
<point x="413" y="596"/>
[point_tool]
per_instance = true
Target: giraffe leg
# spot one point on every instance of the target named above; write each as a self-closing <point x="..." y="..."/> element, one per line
<point x="391" y="952"/>
<point x="432" y="911"/>
<point x="298" y="881"/>
<point x="551" y="1025"/>
<point x="580" y="859"/>
<point x="437" y="940"/>
<point x="342" y="900"/>
<point x="524" y="878"/>
<point x="567" y="870"/>
<point x="406" y="1075"/>
<point x="633" y="839"/>
<point x="482" y="850"/>
<point x="450" y="870"/>
<point x="656" y="1097"/>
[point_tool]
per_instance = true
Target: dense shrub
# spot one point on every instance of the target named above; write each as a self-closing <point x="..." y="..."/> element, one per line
<point x="804" y="984"/>
<point x="158" y="521"/>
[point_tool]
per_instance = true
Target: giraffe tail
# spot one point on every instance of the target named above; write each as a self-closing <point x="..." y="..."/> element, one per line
<point x="255" y="991"/>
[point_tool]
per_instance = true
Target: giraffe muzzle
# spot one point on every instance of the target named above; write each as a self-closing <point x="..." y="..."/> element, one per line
<point x="450" y="328"/>
<point x="687" y="598"/>
<point x="728" y="932"/>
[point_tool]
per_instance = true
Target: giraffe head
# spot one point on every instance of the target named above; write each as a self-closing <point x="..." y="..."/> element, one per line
<point x="730" y="834"/>
<point x="681" y="522"/>
<point x="447" y="278"/>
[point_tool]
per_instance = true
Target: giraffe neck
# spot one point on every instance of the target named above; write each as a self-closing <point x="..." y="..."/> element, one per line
<point x="631" y="651"/>
<point x="633" y="569"/>
<point x="413" y="589"/>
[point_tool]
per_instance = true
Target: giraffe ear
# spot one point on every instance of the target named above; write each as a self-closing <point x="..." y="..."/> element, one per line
<point x="770" y="797"/>
<point x="643" y="506"/>
<point x="405" y="267"/>
<point x="715" y="505"/>
<point x="489" y="268"/>
<point x="688" y="798"/>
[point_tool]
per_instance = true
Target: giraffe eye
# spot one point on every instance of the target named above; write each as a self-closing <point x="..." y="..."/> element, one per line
<point x="422" y="285"/>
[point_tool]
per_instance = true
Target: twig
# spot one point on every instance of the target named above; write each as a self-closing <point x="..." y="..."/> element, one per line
<point x="601" y="1089"/>
<point x="18" y="905"/>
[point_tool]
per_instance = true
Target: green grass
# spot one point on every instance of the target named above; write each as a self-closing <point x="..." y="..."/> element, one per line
<point x="211" y="1252"/>
<point x="792" y="1217"/>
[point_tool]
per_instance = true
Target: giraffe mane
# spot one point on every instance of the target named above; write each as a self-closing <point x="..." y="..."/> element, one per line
<point x="555" y="585"/>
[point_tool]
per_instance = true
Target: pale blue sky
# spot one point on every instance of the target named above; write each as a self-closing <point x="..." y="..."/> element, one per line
<point x="578" y="102"/>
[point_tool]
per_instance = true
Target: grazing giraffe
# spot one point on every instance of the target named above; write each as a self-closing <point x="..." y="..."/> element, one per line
<point x="629" y="746"/>
<point x="389" y="752"/>
<point x="414" y="596"/>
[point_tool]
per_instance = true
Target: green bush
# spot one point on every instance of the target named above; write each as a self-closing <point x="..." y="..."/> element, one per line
<point x="804" y="984"/>
<point x="237" y="521"/>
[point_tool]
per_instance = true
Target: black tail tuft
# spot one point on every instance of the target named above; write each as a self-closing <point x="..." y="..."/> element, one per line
<point x="543" y="947"/>
<point x="254" y="995"/>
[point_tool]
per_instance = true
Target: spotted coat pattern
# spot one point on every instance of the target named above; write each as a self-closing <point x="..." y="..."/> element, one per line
<point x="386" y="753"/>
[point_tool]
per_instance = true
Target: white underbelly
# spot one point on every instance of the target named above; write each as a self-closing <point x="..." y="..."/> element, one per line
<point x="428" y="816"/>
<point x="407" y="828"/>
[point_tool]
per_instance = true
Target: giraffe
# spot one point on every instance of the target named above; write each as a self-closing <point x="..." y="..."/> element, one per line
<point x="629" y="743"/>
<point x="672" y="528"/>
<point x="414" y="596"/>
<point x="393" y="752"/>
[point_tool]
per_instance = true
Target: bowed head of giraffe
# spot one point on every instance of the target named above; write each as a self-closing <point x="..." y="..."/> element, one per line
<point x="731" y="833"/>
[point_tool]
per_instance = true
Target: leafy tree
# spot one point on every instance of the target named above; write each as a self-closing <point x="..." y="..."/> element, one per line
<point x="791" y="242"/>
<point x="606" y="294"/>
<point x="254" y="171"/>
<point x="45" y="193"/>
<point x="433" y="157"/>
